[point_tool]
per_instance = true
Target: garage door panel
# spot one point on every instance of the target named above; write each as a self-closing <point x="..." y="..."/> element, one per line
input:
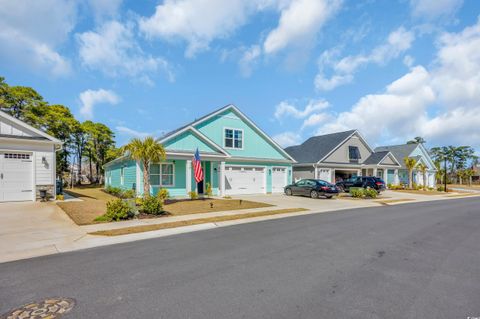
<point x="244" y="180"/>
<point x="279" y="179"/>
<point x="16" y="177"/>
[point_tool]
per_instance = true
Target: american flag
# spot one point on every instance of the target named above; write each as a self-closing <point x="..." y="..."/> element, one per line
<point x="197" y="167"/>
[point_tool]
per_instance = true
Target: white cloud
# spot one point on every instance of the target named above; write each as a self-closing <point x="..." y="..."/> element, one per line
<point x="315" y="119"/>
<point x="344" y="69"/>
<point x="131" y="132"/>
<point x="114" y="50"/>
<point x="286" y="109"/>
<point x="249" y="59"/>
<point x="32" y="31"/>
<point x="300" y="21"/>
<point x="198" y="22"/>
<point x="127" y="131"/>
<point x="103" y="9"/>
<point x="433" y="9"/>
<point x="286" y="139"/>
<point x="442" y="103"/>
<point x="90" y="98"/>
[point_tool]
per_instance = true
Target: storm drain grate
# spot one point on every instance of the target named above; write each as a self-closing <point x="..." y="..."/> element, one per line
<point x="46" y="309"/>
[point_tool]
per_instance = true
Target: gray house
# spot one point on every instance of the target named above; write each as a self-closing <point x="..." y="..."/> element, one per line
<point x="339" y="156"/>
<point x="420" y="154"/>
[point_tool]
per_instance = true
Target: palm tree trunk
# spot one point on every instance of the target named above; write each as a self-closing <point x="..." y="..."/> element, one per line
<point x="146" y="182"/>
<point x="410" y="177"/>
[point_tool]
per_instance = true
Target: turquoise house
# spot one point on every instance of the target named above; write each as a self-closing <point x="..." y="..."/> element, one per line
<point x="237" y="158"/>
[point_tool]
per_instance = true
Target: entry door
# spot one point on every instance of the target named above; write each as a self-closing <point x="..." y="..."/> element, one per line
<point x="16" y="177"/>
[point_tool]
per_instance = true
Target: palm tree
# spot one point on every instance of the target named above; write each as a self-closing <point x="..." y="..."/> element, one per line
<point x="147" y="151"/>
<point x="423" y="168"/>
<point x="410" y="163"/>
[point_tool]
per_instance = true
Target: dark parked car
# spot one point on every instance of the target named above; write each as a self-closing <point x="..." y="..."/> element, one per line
<point x="313" y="188"/>
<point x="362" y="181"/>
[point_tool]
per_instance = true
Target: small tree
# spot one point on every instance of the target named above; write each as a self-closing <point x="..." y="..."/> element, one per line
<point x="410" y="163"/>
<point x="423" y="168"/>
<point x="147" y="151"/>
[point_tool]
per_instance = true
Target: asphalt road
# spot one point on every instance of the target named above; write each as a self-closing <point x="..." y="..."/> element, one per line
<point x="407" y="261"/>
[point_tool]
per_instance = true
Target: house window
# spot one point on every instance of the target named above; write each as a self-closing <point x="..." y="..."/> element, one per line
<point x="233" y="138"/>
<point x="353" y="153"/>
<point x="162" y="174"/>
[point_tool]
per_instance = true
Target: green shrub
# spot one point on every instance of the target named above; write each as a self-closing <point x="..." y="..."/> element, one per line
<point x="208" y="190"/>
<point x="193" y="195"/>
<point x="117" y="209"/>
<point x="152" y="205"/>
<point x="370" y="193"/>
<point x="441" y="188"/>
<point x="127" y="194"/>
<point x="115" y="191"/>
<point x="138" y="201"/>
<point x="357" y="192"/>
<point x="163" y="194"/>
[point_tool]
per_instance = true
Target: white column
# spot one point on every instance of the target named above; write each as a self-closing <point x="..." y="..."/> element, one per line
<point x="138" y="178"/>
<point x="385" y="176"/>
<point x="315" y="171"/>
<point x="375" y="172"/>
<point x="359" y="172"/>
<point x="188" y="177"/>
<point x="396" y="180"/>
<point x="221" y="177"/>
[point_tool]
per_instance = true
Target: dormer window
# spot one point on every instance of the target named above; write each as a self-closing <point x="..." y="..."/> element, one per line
<point x="233" y="138"/>
<point x="353" y="153"/>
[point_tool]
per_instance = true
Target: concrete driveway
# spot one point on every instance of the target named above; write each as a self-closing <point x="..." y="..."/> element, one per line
<point x="30" y="229"/>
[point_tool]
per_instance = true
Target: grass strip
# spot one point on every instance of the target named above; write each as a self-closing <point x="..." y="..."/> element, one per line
<point x="145" y="228"/>
<point x="391" y="201"/>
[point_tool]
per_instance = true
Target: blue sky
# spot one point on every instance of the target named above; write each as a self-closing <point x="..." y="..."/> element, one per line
<point x="392" y="69"/>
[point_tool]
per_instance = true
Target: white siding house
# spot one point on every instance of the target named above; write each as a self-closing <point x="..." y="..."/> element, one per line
<point x="27" y="160"/>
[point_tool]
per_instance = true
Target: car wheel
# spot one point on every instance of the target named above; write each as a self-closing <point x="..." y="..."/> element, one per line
<point x="314" y="194"/>
<point x="328" y="197"/>
<point x="288" y="192"/>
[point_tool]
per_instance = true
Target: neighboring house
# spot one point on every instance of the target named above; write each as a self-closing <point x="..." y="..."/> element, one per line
<point x="236" y="155"/>
<point x="476" y="174"/>
<point x="420" y="154"/>
<point x="339" y="156"/>
<point x="27" y="160"/>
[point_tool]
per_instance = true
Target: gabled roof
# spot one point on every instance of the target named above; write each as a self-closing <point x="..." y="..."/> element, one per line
<point x="399" y="151"/>
<point x="198" y="134"/>
<point x="317" y="148"/>
<point x="42" y="136"/>
<point x="377" y="158"/>
<point x="218" y="111"/>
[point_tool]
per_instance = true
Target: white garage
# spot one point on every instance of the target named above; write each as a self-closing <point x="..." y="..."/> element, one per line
<point x="27" y="160"/>
<point x="244" y="180"/>
<point x="279" y="179"/>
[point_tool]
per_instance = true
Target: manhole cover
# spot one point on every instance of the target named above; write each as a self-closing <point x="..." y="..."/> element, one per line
<point x="49" y="308"/>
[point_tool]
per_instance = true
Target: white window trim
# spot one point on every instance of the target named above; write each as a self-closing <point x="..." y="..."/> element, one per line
<point x="160" y="175"/>
<point x="122" y="175"/>
<point x="233" y="143"/>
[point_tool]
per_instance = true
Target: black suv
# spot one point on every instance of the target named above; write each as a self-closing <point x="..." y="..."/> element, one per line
<point x="362" y="181"/>
<point x="312" y="187"/>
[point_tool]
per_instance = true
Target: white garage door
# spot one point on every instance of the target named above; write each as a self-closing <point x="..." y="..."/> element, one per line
<point x="244" y="180"/>
<point x="279" y="179"/>
<point x="16" y="177"/>
<point x="324" y="174"/>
